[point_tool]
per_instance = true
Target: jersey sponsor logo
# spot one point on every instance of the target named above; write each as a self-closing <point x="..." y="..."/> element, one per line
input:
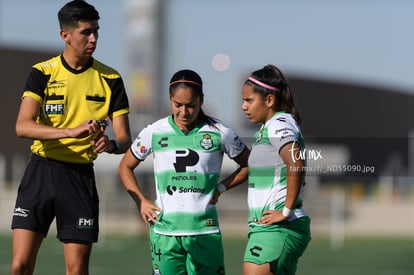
<point x="284" y="131"/>
<point x="163" y="142"/>
<point x="171" y="189"/>
<point x="54" y="109"/>
<point x="291" y="136"/>
<point x="20" y="212"/>
<point x="191" y="190"/>
<point x="85" y="223"/>
<point x="56" y="84"/>
<point x="141" y="148"/>
<point x="185" y="158"/>
<point x="255" y="250"/>
<point x="182" y="178"/>
<point x="206" y="142"/>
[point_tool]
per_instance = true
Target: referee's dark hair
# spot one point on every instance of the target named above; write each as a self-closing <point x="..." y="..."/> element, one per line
<point x="73" y="12"/>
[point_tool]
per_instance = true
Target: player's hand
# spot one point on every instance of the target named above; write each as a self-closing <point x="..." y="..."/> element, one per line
<point x="271" y="216"/>
<point x="215" y="197"/>
<point x="149" y="211"/>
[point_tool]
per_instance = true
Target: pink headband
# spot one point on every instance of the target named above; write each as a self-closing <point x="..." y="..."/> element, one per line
<point x="264" y="85"/>
<point x="187" y="81"/>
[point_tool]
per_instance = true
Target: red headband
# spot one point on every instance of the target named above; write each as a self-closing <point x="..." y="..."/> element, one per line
<point x="264" y="85"/>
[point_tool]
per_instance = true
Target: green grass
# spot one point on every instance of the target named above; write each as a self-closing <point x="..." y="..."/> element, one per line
<point x="359" y="256"/>
<point x="125" y="255"/>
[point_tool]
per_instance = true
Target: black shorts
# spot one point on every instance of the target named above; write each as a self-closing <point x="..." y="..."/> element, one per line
<point x="66" y="191"/>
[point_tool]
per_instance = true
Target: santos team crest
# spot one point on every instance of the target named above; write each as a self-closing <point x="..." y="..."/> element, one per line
<point x="206" y="142"/>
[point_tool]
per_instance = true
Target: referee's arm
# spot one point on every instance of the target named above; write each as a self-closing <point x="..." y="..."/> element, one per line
<point x="122" y="132"/>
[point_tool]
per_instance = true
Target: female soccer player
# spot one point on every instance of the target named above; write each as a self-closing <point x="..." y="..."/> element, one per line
<point x="279" y="229"/>
<point x="187" y="148"/>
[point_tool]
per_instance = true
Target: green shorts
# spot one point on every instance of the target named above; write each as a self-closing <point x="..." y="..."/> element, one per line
<point x="280" y="246"/>
<point x="182" y="255"/>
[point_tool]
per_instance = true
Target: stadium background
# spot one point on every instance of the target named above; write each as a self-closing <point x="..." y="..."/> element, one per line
<point x="353" y="124"/>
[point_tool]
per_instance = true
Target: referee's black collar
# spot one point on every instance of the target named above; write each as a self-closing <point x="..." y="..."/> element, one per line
<point x="69" y="68"/>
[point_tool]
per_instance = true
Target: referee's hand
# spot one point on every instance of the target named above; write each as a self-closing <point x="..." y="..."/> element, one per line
<point x="87" y="128"/>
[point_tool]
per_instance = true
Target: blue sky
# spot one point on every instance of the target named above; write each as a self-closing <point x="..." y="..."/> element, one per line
<point x="367" y="42"/>
<point x="363" y="42"/>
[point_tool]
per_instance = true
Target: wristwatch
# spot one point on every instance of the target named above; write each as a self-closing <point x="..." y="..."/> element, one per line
<point x="116" y="146"/>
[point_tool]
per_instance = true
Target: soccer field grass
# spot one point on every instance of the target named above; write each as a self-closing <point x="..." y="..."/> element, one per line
<point x="126" y="255"/>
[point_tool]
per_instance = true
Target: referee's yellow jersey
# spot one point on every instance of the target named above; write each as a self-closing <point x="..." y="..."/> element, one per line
<point x="69" y="97"/>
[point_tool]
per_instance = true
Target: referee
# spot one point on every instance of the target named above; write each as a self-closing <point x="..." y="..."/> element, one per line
<point x="66" y="105"/>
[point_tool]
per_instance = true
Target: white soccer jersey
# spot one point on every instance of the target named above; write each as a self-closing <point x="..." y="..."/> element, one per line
<point x="186" y="172"/>
<point x="267" y="171"/>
